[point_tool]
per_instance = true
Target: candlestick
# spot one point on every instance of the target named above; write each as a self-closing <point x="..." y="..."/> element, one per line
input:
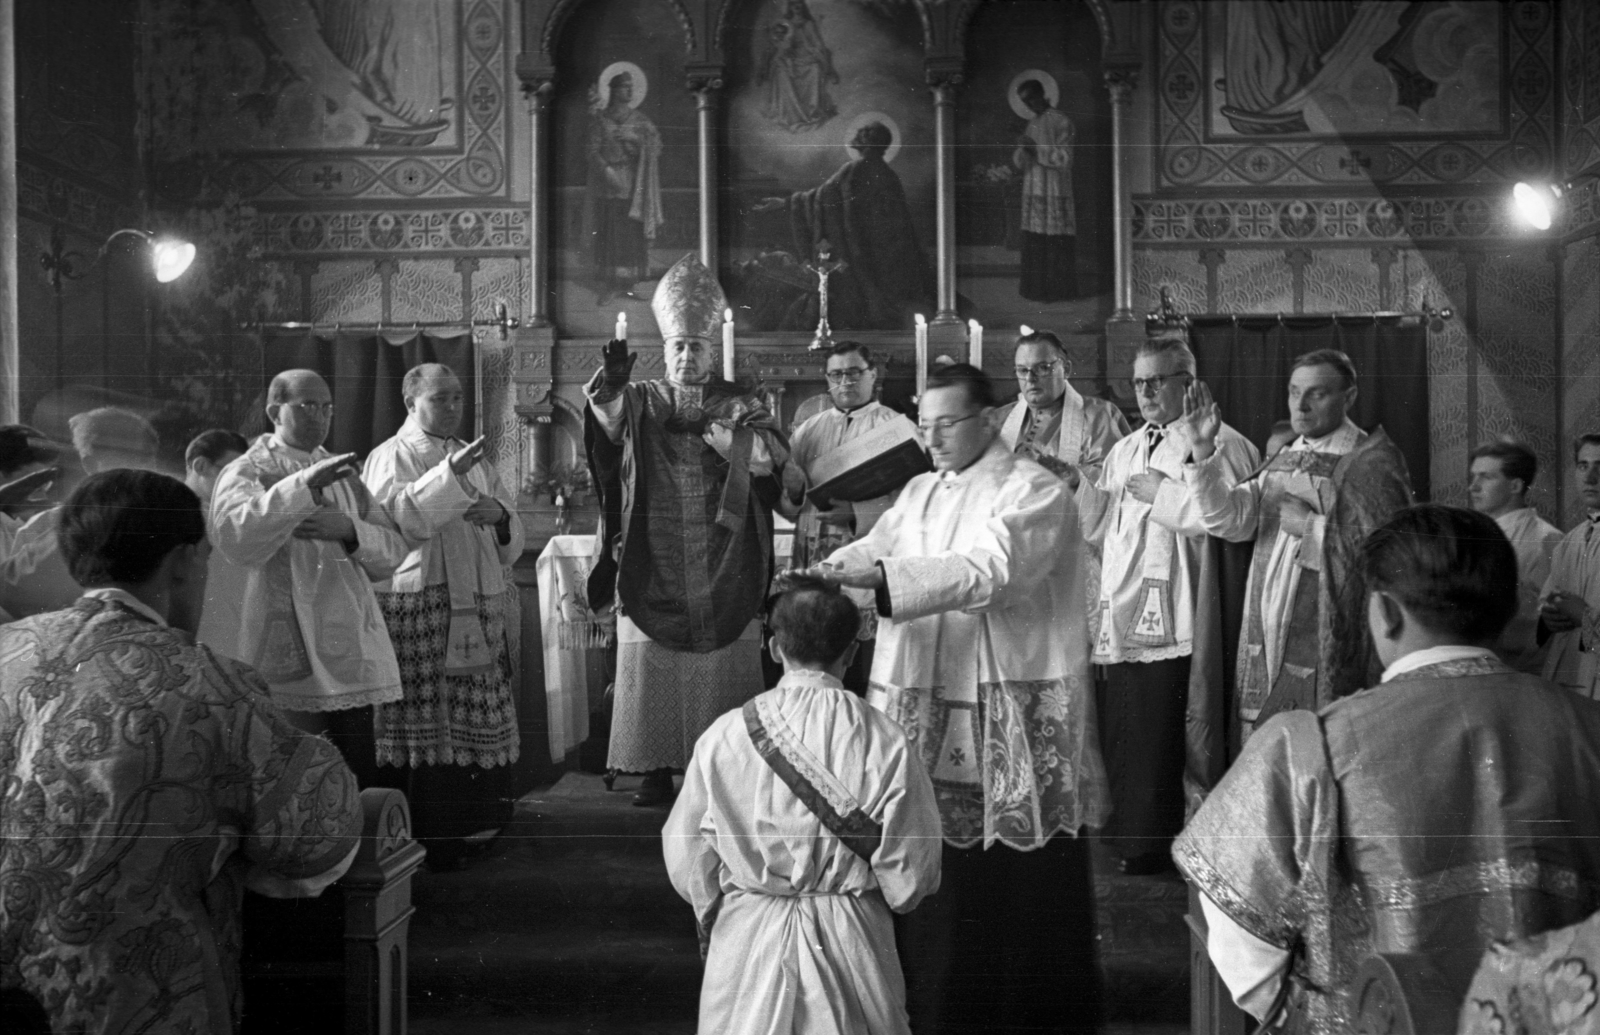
<point x="922" y="354"/>
<point x="975" y="343"/>
<point x="727" y="344"/>
<point x="622" y="327"/>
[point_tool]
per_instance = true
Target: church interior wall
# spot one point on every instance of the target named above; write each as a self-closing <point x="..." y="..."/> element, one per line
<point x="1394" y="199"/>
<point x="1580" y="255"/>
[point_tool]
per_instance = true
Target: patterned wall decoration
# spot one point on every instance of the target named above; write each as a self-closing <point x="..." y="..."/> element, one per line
<point x="1194" y="155"/>
<point x="1580" y="373"/>
<point x="1580" y="87"/>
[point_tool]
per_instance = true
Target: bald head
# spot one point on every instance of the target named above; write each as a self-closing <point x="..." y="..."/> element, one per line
<point x="434" y="398"/>
<point x="300" y="406"/>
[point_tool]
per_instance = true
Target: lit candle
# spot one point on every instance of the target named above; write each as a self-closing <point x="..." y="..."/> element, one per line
<point x="922" y="354"/>
<point x="622" y="327"/>
<point x="727" y="344"/>
<point x="975" y="343"/>
<point x="1024" y="331"/>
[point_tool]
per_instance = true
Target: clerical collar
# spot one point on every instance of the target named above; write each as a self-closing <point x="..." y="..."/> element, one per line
<point x="995" y="448"/>
<point x="808" y="677"/>
<point x="1433" y="656"/>
<point x="1332" y="439"/>
<point x="294" y="451"/>
<point x="852" y="412"/>
<point x="114" y="594"/>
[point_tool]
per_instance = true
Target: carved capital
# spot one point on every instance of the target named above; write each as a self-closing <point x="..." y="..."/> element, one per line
<point x="704" y="81"/>
<point x="1121" y="82"/>
<point x="538" y="84"/>
<point x="944" y="76"/>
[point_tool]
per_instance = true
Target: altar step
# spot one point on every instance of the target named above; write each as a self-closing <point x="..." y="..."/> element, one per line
<point x="568" y="925"/>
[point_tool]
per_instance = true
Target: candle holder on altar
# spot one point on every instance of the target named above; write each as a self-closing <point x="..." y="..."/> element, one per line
<point x="824" y="268"/>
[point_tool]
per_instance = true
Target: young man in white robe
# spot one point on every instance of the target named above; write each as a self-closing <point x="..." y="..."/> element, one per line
<point x="1499" y="476"/>
<point x="983" y="659"/>
<point x="806" y="818"/>
<point x="1569" y="608"/>
<point x="853" y="412"/>
<point x="1153" y="564"/>
<point x="312" y="541"/>
<point x="456" y="729"/>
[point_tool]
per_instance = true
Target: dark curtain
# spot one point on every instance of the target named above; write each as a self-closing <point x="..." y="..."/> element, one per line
<point x="1246" y="360"/>
<point x="364" y="369"/>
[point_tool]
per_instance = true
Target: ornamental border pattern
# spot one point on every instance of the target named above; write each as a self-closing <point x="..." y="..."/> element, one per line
<point x="389" y="231"/>
<point x="479" y="170"/>
<point x="1189" y="159"/>
<point x="1323" y="220"/>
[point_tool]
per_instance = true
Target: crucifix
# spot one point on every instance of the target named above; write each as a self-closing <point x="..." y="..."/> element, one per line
<point x="824" y="268"/>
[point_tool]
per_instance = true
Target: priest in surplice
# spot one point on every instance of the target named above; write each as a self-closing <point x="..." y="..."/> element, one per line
<point x="686" y="470"/>
<point x="1303" y="643"/>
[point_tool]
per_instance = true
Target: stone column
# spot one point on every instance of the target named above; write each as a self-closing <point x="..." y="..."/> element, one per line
<point x="944" y="79"/>
<point x="705" y="83"/>
<point x="1121" y="83"/>
<point x="540" y="184"/>
<point x="10" y="367"/>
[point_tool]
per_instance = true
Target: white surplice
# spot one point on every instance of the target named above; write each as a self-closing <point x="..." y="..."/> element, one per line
<point x="312" y="626"/>
<point x="1150" y="552"/>
<point x="1535" y="540"/>
<point x="984" y="659"/>
<point x="1573" y="658"/>
<point x="1081" y="432"/>
<point x="801" y="939"/>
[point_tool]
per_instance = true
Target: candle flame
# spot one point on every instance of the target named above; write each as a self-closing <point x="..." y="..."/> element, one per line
<point x="727" y="314"/>
<point x="1025" y="330"/>
<point x="922" y="321"/>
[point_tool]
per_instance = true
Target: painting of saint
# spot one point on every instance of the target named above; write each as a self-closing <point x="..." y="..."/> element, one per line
<point x="796" y="70"/>
<point x="860" y="215"/>
<point x="622" y="197"/>
<point x="1049" y="220"/>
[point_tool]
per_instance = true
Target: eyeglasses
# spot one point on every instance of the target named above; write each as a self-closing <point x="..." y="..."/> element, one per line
<point x="847" y="376"/>
<point x="309" y="408"/>
<point x="945" y="425"/>
<point x="1152" y="385"/>
<point x="1037" y="372"/>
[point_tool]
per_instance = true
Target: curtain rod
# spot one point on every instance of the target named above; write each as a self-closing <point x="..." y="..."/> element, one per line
<point x="502" y="320"/>
<point x="1169" y="314"/>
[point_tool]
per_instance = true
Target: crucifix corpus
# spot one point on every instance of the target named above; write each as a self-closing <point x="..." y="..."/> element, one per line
<point x="824" y="268"/>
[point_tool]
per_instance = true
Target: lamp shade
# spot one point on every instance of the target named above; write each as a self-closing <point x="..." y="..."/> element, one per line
<point x="1535" y="204"/>
<point x="171" y="258"/>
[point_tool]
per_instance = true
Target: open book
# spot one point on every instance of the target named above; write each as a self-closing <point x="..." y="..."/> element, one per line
<point x="877" y="463"/>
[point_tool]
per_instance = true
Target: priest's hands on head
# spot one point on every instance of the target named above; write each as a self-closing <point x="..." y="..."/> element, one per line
<point x="486" y="511"/>
<point x="16" y="493"/>
<point x="1200" y="422"/>
<point x="325" y="472"/>
<point x="1562" y="611"/>
<point x="1144" y="485"/>
<point x="833" y="575"/>
<point x="329" y="524"/>
<point x="1294" y="515"/>
<point x="467" y="457"/>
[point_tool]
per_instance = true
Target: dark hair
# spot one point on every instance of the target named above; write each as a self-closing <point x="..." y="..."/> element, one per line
<point x="979" y="389"/>
<point x="874" y="134"/>
<point x="21" y="445"/>
<point x="421" y="374"/>
<point x="1023" y="87"/>
<point x="1516" y="460"/>
<point x="211" y="445"/>
<point x="119" y="525"/>
<point x="845" y="348"/>
<point x="1328" y="358"/>
<point x="814" y="623"/>
<point x="1044" y="338"/>
<point x="1588" y="438"/>
<point x="1452" y="568"/>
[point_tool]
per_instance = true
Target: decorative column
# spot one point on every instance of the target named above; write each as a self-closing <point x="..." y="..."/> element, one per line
<point x="10" y="365"/>
<point x="1121" y="83"/>
<point x="539" y="88"/>
<point x="944" y="77"/>
<point x="704" y="82"/>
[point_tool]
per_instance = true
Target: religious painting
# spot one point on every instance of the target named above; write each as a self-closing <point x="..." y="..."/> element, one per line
<point x="1313" y="69"/>
<point x="1033" y="177"/>
<point x="318" y="74"/>
<point x="829" y="169"/>
<point x="625" y="205"/>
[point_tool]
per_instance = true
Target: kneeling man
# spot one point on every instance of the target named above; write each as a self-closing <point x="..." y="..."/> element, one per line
<point x="805" y="818"/>
<point x="1447" y="808"/>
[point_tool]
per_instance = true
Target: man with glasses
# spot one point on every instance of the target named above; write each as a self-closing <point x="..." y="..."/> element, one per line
<point x="1053" y="423"/>
<point x="312" y="541"/>
<point x="1154" y="570"/>
<point x="852" y="381"/>
<point x="983" y="659"/>
<point x="1302" y="644"/>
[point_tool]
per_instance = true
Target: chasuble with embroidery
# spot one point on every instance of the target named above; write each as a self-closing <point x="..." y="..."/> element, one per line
<point x="1453" y="806"/>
